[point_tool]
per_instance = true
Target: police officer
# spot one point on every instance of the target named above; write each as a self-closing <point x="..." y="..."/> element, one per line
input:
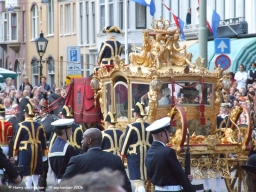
<point x="30" y="145"/>
<point x="163" y="167"/>
<point x="61" y="150"/>
<point x="112" y="136"/>
<point x="76" y="138"/>
<point x="135" y="144"/>
<point x="110" y="48"/>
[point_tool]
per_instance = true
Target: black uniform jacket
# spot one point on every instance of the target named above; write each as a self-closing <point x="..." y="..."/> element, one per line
<point x="94" y="160"/>
<point x="7" y="165"/>
<point x="163" y="167"/>
<point x="59" y="156"/>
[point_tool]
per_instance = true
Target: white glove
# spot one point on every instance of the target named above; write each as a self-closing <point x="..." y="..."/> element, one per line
<point x="44" y="158"/>
<point x="16" y="158"/>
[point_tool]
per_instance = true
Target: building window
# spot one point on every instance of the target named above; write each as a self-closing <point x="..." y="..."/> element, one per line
<point x="93" y="23"/>
<point x="74" y="18"/>
<point x="61" y="19"/>
<point x="50" y="16"/>
<point x="24" y="25"/>
<point x="14" y="26"/>
<point x="102" y="14"/>
<point x="141" y="16"/>
<point x="111" y="12"/>
<point x="121" y="14"/>
<point x="87" y="21"/>
<point x="51" y="71"/>
<point x="18" y="71"/>
<point x="61" y="71"/>
<point x="6" y="26"/>
<point x="82" y="65"/>
<point x="81" y="22"/>
<point x="68" y="19"/>
<point x="87" y="57"/>
<point x="34" y="22"/>
<point x="34" y="72"/>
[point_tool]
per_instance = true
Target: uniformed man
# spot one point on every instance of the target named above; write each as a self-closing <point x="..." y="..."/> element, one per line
<point x="110" y="48"/>
<point x="30" y="145"/>
<point x="112" y="136"/>
<point x="61" y="150"/>
<point x="163" y="167"/>
<point x="135" y="144"/>
<point x="77" y="130"/>
<point x="6" y="135"/>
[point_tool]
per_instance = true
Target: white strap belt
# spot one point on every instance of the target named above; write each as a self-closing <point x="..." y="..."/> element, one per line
<point x="168" y="188"/>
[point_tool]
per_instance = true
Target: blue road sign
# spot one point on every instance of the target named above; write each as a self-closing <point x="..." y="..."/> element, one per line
<point x="73" y="55"/>
<point x="222" y="46"/>
<point x="223" y="61"/>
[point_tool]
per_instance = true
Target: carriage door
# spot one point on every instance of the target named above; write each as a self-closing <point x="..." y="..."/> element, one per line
<point x="121" y="98"/>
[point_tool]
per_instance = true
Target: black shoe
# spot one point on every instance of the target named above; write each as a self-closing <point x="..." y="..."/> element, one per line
<point x="209" y="190"/>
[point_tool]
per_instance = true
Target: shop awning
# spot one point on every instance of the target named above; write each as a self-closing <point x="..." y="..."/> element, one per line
<point x="7" y="73"/>
<point x="243" y="51"/>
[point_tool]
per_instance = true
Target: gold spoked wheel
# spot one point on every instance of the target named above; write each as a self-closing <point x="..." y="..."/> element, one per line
<point x="237" y="181"/>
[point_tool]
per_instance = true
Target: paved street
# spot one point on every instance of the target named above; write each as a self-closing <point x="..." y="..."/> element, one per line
<point x="52" y="182"/>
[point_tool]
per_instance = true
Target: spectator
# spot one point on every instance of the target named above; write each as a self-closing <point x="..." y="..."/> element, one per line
<point x="101" y="181"/>
<point x="25" y="82"/>
<point x="252" y="74"/>
<point x="232" y="79"/>
<point x="188" y="17"/>
<point x="95" y="159"/>
<point x="44" y="86"/>
<point x="8" y="108"/>
<point x="250" y="177"/>
<point x="241" y="77"/>
<point x="7" y="86"/>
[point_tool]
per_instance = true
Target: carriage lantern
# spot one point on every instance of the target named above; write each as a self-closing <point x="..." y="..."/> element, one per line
<point x="156" y="84"/>
<point x="95" y="84"/>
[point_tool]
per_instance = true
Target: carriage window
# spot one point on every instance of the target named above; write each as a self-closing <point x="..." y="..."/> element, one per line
<point x="139" y="93"/>
<point x="108" y="98"/>
<point x="188" y="93"/>
<point x="121" y="100"/>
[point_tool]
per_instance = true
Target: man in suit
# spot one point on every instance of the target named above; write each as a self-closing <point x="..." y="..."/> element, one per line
<point x="112" y="136"/>
<point x="61" y="150"/>
<point x="110" y="48"/>
<point x="163" y="167"/>
<point x="94" y="159"/>
<point x="135" y="144"/>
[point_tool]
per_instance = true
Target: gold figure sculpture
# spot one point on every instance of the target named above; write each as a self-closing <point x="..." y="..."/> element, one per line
<point x="144" y="57"/>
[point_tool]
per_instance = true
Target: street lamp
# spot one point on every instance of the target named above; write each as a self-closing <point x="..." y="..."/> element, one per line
<point x="41" y="45"/>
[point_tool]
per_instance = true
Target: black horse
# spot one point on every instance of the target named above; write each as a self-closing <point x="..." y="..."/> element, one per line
<point x="56" y="102"/>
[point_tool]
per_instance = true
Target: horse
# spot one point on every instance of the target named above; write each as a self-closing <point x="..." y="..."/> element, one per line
<point x="46" y="121"/>
<point x="56" y="102"/>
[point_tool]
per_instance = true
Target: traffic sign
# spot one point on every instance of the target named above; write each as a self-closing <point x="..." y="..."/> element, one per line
<point x="73" y="60"/>
<point x="222" y="46"/>
<point x="223" y="61"/>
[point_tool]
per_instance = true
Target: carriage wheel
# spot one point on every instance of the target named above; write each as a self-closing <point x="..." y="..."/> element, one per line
<point x="237" y="181"/>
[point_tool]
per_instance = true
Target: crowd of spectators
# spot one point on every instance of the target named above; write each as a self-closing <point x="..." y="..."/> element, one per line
<point x="10" y="96"/>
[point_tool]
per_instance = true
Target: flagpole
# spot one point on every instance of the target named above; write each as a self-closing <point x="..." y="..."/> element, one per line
<point x="126" y="31"/>
<point x="203" y="32"/>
